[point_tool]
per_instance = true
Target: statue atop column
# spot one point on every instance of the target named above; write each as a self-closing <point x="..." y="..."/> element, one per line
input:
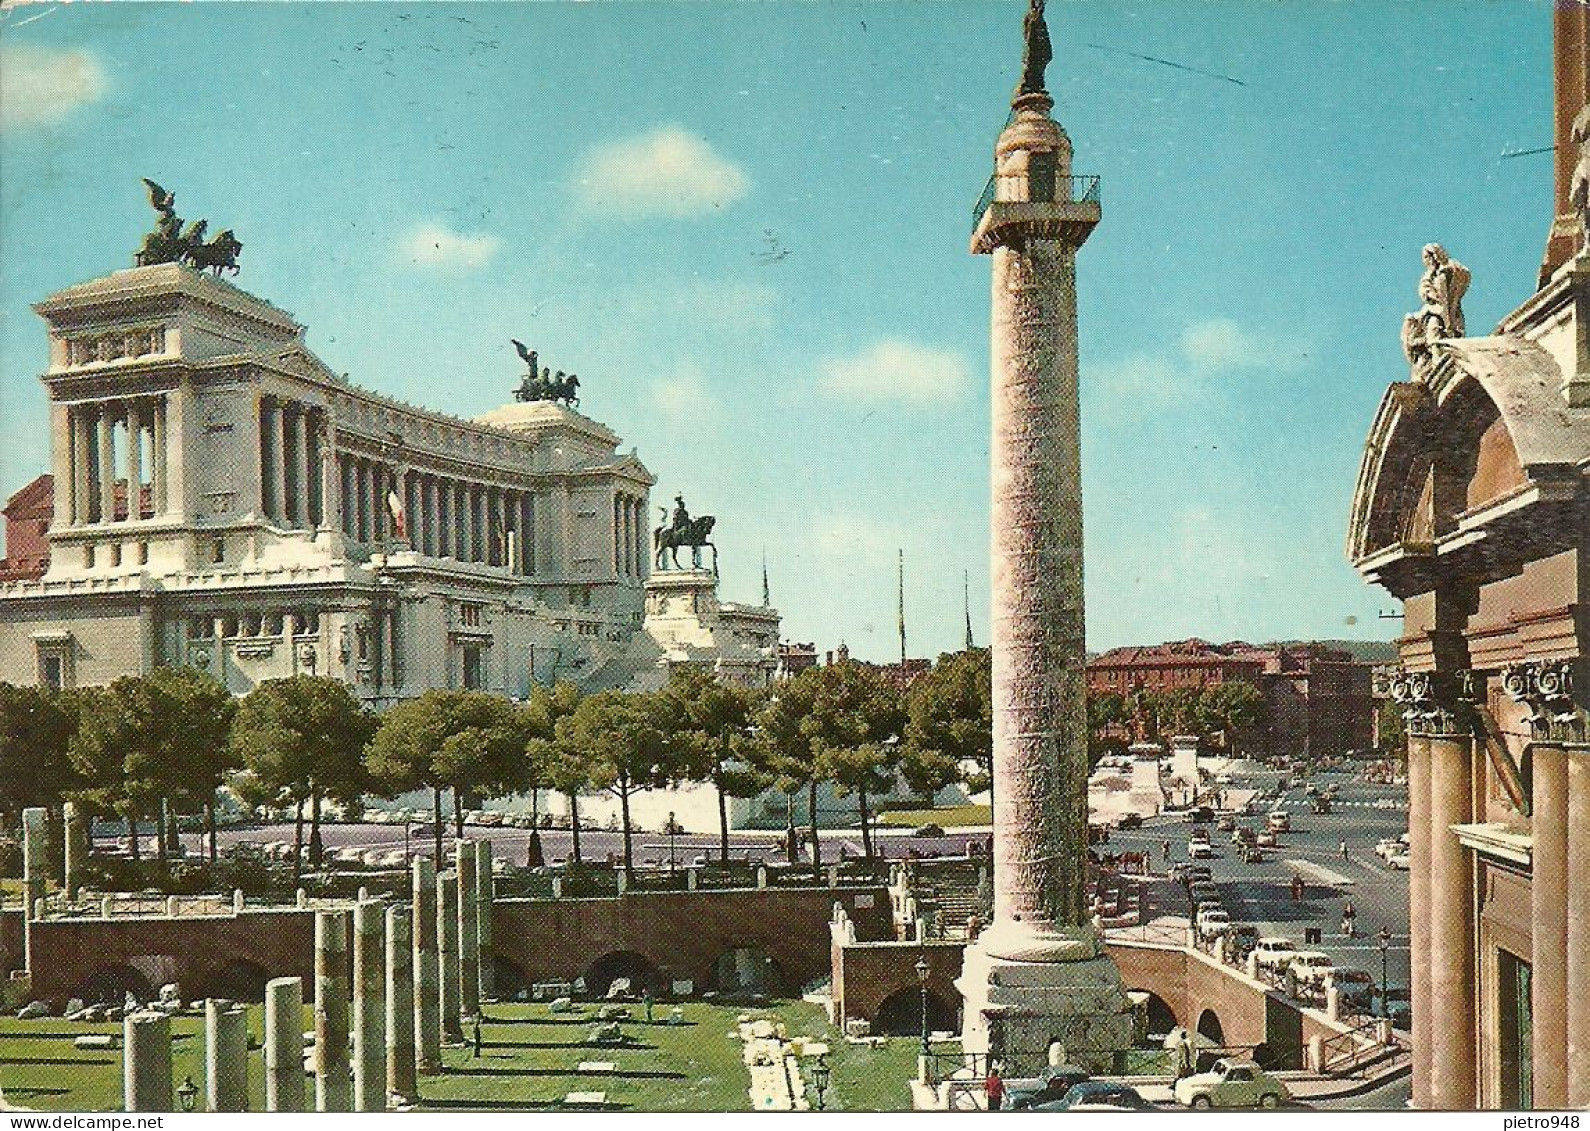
<point x="1037" y="52"/>
<point x="1441" y="290"/>
<point x="540" y="385"/>
<point x="684" y="531"/>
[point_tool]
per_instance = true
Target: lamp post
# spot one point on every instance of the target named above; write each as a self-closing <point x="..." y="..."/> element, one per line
<point x="921" y="981"/>
<point x="673" y="835"/>
<point x="1384" y="939"/>
<point x="820" y="1072"/>
<point x="187" y="1093"/>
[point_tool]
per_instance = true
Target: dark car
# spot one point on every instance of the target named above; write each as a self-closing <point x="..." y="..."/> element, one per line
<point x="1129" y="821"/>
<point x="1098" y="1095"/>
<point x="1202" y="815"/>
<point x="1024" y="1092"/>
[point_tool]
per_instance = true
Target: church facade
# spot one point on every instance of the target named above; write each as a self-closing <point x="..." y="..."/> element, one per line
<point x="222" y="499"/>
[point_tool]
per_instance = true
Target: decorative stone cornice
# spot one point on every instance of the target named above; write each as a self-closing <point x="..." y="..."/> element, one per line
<point x="1436" y="703"/>
<point x="1546" y="689"/>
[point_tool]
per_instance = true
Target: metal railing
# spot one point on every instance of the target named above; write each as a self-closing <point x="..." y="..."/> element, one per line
<point x="1076" y="190"/>
<point x="1346" y="1052"/>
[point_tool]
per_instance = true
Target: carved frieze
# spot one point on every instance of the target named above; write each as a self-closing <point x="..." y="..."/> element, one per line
<point x="1436" y="703"/>
<point x="1546" y="689"/>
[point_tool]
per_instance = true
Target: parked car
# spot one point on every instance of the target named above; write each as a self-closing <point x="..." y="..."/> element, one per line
<point x="1251" y="854"/>
<point x="1201" y="815"/>
<point x="1387" y="847"/>
<point x="1278" y="821"/>
<point x="1204" y="889"/>
<point x="1266" y="839"/>
<point x="1397" y="1007"/>
<point x="1025" y="1091"/>
<point x="1129" y="821"/>
<point x="1212" y="923"/>
<point x="1200" y="850"/>
<point x="1241" y="938"/>
<point x="1274" y="952"/>
<point x="1355" y="989"/>
<point x="930" y="830"/>
<point x="1242" y="834"/>
<point x="1399" y="862"/>
<point x="1226" y="823"/>
<point x="1310" y="967"/>
<point x="1231" y="1083"/>
<point x="1098" y="1095"/>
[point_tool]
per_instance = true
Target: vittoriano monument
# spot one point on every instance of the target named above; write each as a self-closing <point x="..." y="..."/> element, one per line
<point x="541" y="384"/>
<point x="170" y="242"/>
<point x="684" y="532"/>
<point x="1038" y="976"/>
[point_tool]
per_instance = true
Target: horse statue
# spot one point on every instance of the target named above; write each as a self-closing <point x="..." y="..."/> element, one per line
<point x="219" y="255"/>
<point x="694" y="533"/>
<point x="565" y="389"/>
<point x="540" y="385"/>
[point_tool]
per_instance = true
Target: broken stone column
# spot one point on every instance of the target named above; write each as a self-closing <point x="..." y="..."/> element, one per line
<point x="557" y="887"/>
<point x="301" y="899"/>
<point x="468" y="931"/>
<point x="34" y="835"/>
<point x="400" y="1006"/>
<point x="225" y="1056"/>
<point x="173" y="906"/>
<point x="369" y="1007"/>
<point x="75" y="851"/>
<point x="447" y="954"/>
<point x="427" y="980"/>
<point x="239" y="901"/>
<point x="333" y="1089"/>
<point x="146" y="1062"/>
<point x="485" y="897"/>
<point x="107" y="906"/>
<point x="284" y="1044"/>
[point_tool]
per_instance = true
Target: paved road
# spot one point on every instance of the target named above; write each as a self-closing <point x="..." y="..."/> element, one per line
<point x="1260" y="893"/>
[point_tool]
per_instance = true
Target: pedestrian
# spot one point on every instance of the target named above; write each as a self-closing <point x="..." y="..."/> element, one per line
<point x="1164" y="850"/>
<point x="994" y="1088"/>
<point x="1344" y="850"/>
<point x="646" y="1000"/>
<point x="475" y="1036"/>
<point x="1349" y="920"/>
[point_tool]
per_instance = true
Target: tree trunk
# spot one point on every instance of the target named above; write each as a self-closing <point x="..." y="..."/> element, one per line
<point x="317" y="847"/>
<point x="163" y="831"/>
<point x="209" y="821"/>
<point x="817" y="851"/>
<point x="791" y="851"/>
<point x="723" y="823"/>
<point x="436" y="824"/>
<point x="132" y="835"/>
<point x="866" y="835"/>
<point x="458" y="812"/>
<point x="629" y="848"/>
<point x="574" y="823"/>
<point x="298" y="842"/>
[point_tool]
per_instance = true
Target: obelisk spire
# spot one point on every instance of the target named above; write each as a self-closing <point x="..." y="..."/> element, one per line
<point x="966" y="601"/>
<point x="902" y="613"/>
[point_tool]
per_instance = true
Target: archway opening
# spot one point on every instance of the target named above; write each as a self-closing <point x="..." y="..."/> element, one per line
<point x="509" y="979"/>
<point x="1161" y="1017"/>
<point x="1209" y="1026"/>
<point x="900" y="1015"/>
<point x="110" y="985"/>
<point x="641" y="972"/>
<point x="746" y="972"/>
<point x="235" y="980"/>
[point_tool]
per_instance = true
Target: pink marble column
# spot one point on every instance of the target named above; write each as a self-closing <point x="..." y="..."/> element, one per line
<point x="1578" y="933"/>
<point x="1548" y="900"/>
<point x="1419" y="913"/>
<point x="1451" y="926"/>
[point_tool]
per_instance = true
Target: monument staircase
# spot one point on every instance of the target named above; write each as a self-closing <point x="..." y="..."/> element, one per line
<point x="943" y="892"/>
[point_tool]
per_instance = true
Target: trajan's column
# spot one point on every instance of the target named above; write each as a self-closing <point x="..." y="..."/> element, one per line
<point x="1038" y="976"/>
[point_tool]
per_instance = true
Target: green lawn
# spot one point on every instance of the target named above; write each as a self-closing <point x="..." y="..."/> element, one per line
<point x="949" y="817"/>
<point x="528" y="1062"/>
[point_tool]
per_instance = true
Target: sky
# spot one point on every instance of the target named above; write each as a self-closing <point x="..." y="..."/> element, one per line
<point x="745" y="226"/>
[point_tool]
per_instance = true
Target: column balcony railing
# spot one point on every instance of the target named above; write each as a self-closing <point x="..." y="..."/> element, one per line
<point x="1062" y="190"/>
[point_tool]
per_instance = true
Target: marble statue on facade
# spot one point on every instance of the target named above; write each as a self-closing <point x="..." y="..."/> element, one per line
<point x="1441" y="290"/>
<point x="1579" y="190"/>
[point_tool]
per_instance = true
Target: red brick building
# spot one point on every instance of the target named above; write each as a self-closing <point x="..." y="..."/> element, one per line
<point x="1317" y="698"/>
<point x="27" y="515"/>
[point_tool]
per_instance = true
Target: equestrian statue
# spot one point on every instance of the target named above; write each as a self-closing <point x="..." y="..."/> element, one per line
<point x="695" y="533"/>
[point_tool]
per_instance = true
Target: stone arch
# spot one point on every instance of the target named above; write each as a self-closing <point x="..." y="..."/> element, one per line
<point x="1161" y="1017"/>
<point x="509" y="979"/>
<point x="110" y="985"/>
<point x="641" y="971"/>
<point x="235" y="979"/>
<point x="900" y="1014"/>
<point x="1209" y="1026"/>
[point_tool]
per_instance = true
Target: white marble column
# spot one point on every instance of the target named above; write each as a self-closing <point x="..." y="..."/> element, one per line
<point x="157" y="450"/>
<point x="528" y="537"/>
<point x="1451" y="940"/>
<point x="107" y="463"/>
<point x="1549" y="933"/>
<point x="301" y="450"/>
<point x="78" y="430"/>
<point x="278" y="461"/>
<point x="135" y="460"/>
<point x="466" y="514"/>
<point x="348" y="488"/>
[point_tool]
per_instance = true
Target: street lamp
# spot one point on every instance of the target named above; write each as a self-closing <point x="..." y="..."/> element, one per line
<point x="921" y="981"/>
<point x="1385" y="944"/>
<point x="673" y="834"/>
<point x="188" y="1093"/>
<point x="820" y="1072"/>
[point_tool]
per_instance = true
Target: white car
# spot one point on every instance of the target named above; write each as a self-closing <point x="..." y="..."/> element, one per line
<point x="1310" y="967"/>
<point x="1398" y="863"/>
<point x="1273" y="952"/>
<point x="1212" y="923"/>
<point x="1231" y="1083"/>
<point x="1200" y="850"/>
<point x="1385" y="803"/>
<point x="1278" y="821"/>
<point x="1387" y="847"/>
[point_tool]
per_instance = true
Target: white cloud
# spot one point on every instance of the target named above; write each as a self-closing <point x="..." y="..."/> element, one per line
<point x="434" y="245"/>
<point x="1220" y="343"/>
<point x="667" y="172"/>
<point x="897" y="370"/>
<point x="39" y="86"/>
<point x="682" y="398"/>
<point x="1206" y="350"/>
<point x="1151" y="382"/>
